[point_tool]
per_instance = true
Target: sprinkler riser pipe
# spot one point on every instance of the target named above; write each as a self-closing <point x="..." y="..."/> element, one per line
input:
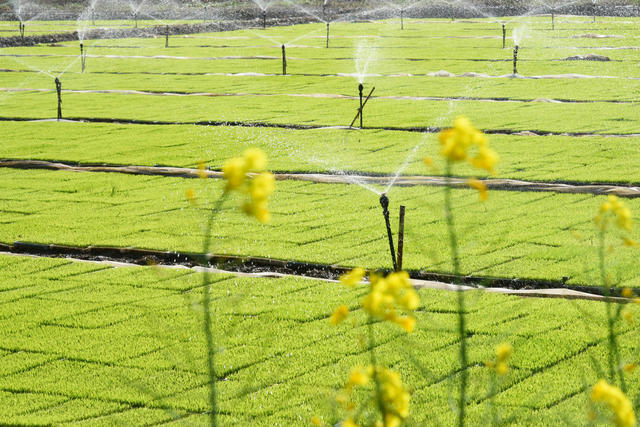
<point x="327" y="34"/>
<point x="504" y="36"/>
<point x="82" y="57"/>
<point x="166" y="40"/>
<point x="553" y="21"/>
<point x="515" y="60"/>
<point x="284" y="61"/>
<point x="402" y="19"/>
<point x="264" y="19"/>
<point x="59" y="92"/>
<point x="384" y="202"/>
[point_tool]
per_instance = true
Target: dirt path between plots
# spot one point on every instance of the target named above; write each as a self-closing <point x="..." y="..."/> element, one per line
<point x="323" y="178"/>
<point x="269" y="267"/>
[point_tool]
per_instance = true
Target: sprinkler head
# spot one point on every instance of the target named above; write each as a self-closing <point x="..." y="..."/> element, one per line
<point x="360" y="88"/>
<point x="384" y="201"/>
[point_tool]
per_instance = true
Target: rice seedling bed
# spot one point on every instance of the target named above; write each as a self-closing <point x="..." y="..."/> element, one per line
<point x="132" y="337"/>
<point x="516" y="235"/>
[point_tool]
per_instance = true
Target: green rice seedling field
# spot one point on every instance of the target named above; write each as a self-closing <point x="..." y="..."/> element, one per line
<point x="104" y="342"/>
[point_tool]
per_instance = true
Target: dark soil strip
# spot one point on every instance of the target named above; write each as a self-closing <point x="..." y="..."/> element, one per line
<point x="156" y="31"/>
<point x="627" y="191"/>
<point x="417" y="129"/>
<point x="250" y="264"/>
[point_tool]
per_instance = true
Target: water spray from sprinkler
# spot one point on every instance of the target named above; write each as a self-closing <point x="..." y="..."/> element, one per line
<point x="59" y="91"/>
<point x="327" y="34"/>
<point x="83" y="57"/>
<point x="284" y="61"/>
<point x="400" y="237"/>
<point x="166" y="35"/>
<point x="384" y="202"/>
<point x="504" y="35"/>
<point x="515" y="60"/>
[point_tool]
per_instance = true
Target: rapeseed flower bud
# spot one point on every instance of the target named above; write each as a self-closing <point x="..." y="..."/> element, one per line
<point x="616" y="400"/>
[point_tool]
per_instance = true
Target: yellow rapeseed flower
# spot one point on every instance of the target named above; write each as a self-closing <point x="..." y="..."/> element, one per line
<point x="456" y="142"/>
<point x="499" y="364"/>
<point x="387" y="295"/>
<point x="627" y="293"/>
<point x="629" y="367"/>
<point x="191" y="196"/>
<point x="353" y="278"/>
<point x="616" y="400"/>
<point x="256" y="160"/>
<point x="339" y="315"/>
<point x="235" y="171"/>
<point x="503" y="352"/>
<point x="620" y="212"/>
<point x="358" y="376"/>
<point x="393" y="395"/>
<point x="259" y="188"/>
<point x="480" y="186"/>
<point x="202" y="174"/>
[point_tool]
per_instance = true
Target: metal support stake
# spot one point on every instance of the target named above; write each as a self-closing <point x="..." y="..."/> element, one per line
<point x="402" y="19"/>
<point x="401" y="237"/>
<point x="384" y="201"/>
<point x="284" y="61"/>
<point x="504" y="35"/>
<point x="166" y="34"/>
<point x="515" y="60"/>
<point x="264" y="19"/>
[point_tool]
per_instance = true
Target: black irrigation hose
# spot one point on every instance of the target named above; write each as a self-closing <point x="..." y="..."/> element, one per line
<point x="416" y="129"/>
<point x="251" y="264"/>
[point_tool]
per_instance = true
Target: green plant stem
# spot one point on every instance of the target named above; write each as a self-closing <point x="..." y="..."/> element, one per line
<point x="453" y="242"/>
<point x="374" y="365"/>
<point x="613" y="354"/>
<point x="207" y="308"/>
